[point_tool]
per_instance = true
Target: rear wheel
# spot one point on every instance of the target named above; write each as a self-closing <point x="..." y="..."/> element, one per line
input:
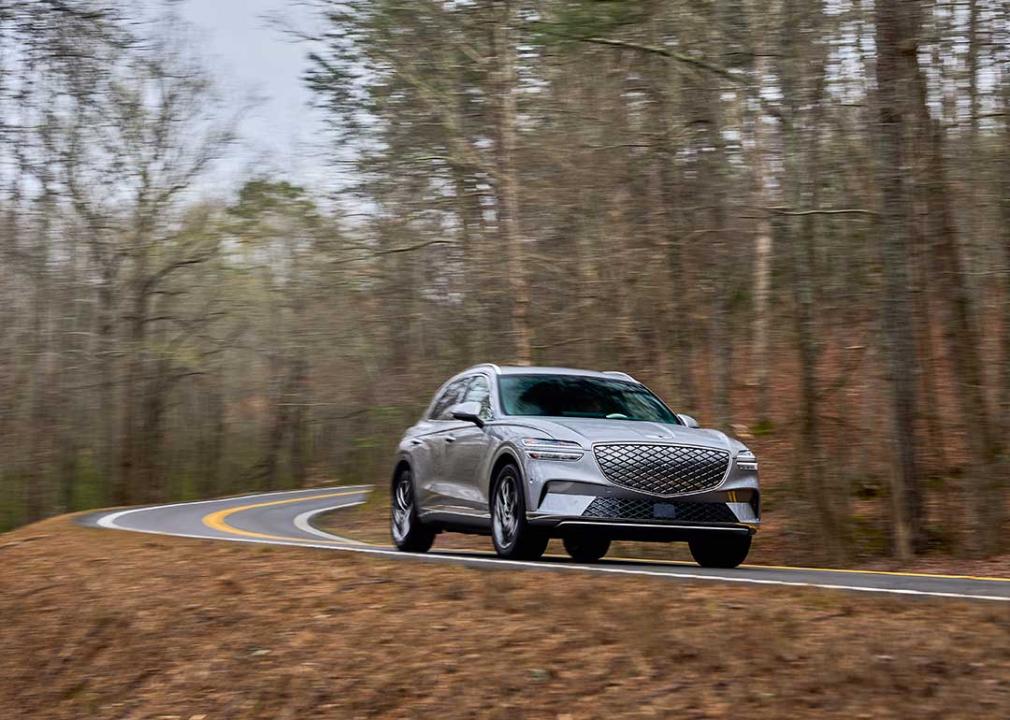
<point x="513" y="537"/>
<point x="725" y="551"/>
<point x="586" y="548"/>
<point x="409" y="535"/>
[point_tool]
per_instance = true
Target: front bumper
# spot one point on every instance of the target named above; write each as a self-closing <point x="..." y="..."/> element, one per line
<point x="565" y="497"/>
<point x="669" y="531"/>
<point x="566" y="507"/>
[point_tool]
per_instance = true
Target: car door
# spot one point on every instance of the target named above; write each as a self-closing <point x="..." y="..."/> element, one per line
<point x="431" y="445"/>
<point x="466" y="447"/>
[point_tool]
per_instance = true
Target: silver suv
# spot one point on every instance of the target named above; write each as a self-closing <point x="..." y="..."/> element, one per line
<point x="525" y="454"/>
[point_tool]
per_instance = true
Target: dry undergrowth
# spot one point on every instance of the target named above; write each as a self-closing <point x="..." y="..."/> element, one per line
<point x="116" y="625"/>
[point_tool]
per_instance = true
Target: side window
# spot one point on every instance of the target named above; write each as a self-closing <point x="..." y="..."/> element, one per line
<point x="480" y="392"/>
<point x="449" y="397"/>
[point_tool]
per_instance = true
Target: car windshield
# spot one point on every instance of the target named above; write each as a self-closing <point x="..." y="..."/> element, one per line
<point x="581" y="397"/>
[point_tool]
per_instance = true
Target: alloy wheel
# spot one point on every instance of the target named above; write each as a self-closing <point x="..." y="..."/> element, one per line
<point x="506" y="516"/>
<point x="403" y="508"/>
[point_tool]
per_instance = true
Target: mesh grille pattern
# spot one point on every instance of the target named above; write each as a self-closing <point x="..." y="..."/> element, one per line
<point x="662" y="469"/>
<point x="611" y="508"/>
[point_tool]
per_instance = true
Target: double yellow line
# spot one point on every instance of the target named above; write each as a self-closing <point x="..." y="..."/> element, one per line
<point x="219" y="520"/>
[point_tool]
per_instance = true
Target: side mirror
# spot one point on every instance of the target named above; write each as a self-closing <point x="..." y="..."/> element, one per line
<point x="468" y="411"/>
<point x="688" y="420"/>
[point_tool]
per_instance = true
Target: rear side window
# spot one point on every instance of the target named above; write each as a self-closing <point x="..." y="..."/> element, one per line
<point x="452" y="395"/>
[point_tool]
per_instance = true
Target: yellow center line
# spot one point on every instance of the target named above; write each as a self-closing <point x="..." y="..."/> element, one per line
<point x="218" y="520"/>
<point x="896" y="573"/>
<point x="618" y="559"/>
<point x="613" y="559"/>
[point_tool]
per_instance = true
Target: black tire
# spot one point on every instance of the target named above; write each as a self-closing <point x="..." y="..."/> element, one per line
<point x="513" y="537"/>
<point x="725" y="551"/>
<point x="409" y="533"/>
<point x="586" y="548"/>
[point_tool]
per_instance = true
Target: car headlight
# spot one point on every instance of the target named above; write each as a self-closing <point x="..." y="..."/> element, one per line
<point x="551" y="449"/>
<point x="746" y="460"/>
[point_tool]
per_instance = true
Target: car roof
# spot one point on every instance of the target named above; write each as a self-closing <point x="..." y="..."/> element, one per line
<point x="541" y="370"/>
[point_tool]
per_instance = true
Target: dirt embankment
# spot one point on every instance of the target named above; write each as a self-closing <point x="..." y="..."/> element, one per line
<point x="99" y="624"/>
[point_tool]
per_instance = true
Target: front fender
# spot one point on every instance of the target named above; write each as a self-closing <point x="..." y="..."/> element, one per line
<point x="534" y="475"/>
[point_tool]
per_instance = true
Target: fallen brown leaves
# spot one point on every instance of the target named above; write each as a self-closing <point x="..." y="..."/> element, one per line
<point x="115" y="625"/>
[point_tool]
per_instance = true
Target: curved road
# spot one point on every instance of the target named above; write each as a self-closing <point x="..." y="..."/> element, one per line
<point x="285" y="518"/>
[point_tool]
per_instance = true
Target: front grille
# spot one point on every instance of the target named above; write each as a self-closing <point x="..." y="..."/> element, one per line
<point x="662" y="469"/>
<point x="611" y="508"/>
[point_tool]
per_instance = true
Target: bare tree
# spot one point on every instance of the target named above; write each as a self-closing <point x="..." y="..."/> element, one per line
<point x="896" y="37"/>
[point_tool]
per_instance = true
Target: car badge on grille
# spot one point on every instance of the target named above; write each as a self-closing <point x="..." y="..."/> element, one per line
<point x="665" y="510"/>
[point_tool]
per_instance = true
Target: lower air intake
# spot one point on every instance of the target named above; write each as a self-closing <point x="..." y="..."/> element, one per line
<point x="610" y="508"/>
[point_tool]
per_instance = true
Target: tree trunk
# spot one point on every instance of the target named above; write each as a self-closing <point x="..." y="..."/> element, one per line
<point x="1005" y="215"/>
<point x="676" y="294"/>
<point x="149" y="471"/>
<point x="972" y="224"/>
<point x="37" y="495"/>
<point x="107" y="391"/>
<point x="763" y="249"/>
<point x="504" y="45"/>
<point x="470" y="272"/>
<point x="67" y="412"/>
<point x="896" y="29"/>
<point x="133" y="397"/>
<point x="724" y="273"/>
<point x="986" y="495"/>
<point x="211" y="443"/>
<point x="277" y="429"/>
<point x="299" y="422"/>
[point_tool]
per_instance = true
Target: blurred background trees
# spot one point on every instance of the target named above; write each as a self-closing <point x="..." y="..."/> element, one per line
<point x="791" y="219"/>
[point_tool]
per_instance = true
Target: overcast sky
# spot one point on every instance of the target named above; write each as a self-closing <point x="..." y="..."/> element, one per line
<point x="252" y="57"/>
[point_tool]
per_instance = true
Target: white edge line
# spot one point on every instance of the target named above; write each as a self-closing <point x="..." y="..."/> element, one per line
<point x="108" y="521"/>
<point x="302" y="522"/>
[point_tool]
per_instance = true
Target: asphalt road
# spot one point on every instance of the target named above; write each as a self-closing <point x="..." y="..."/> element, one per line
<point x="285" y="518"/>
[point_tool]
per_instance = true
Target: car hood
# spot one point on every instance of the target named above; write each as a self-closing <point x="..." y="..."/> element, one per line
<point x="588" y="430"/>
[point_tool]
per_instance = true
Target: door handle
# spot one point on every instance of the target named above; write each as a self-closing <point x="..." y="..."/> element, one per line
<point x="450" y="438"/>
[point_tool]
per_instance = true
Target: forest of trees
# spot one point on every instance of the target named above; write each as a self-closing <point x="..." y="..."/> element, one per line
<point x="790" y="218"/>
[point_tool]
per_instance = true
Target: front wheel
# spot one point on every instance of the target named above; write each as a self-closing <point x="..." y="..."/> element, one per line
<point x="513" y="537"/>
<point x="720" y="552"/>
<point x="409" y="535"/>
